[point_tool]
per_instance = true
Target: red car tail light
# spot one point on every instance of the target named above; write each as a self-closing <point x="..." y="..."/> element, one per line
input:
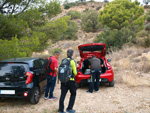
<point x="109" y="68"/>
<point x="25" y="94"/>
<point x="29" y="77"/>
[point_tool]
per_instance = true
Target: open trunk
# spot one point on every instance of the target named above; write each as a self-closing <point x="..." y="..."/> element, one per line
<point x="85" y="66"/>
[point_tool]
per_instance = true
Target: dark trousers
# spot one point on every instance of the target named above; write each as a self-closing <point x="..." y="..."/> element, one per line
<point x="95" y="74"/>
<point x="70" y="85"/>
<point x="51" y="81"/>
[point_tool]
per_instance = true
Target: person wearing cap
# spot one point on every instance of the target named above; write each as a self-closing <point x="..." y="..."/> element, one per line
<point x="70" y="85"/>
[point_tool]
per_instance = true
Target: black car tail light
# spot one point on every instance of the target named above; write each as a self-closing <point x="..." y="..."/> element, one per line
<point x="29" y="77"/>
<point x="25" y="94"/>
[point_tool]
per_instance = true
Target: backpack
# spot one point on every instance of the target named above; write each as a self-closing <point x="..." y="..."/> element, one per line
<point x="47" y="63"/>
<point x="64" y="70"/>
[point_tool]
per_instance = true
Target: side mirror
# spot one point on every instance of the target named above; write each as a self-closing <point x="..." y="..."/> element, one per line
<point x="109" y="60"/>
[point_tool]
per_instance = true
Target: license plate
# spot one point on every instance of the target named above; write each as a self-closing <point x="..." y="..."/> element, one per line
<point x="12" y="92"/>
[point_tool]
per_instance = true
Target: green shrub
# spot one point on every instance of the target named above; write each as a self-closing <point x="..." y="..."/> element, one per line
<point x="122" y="13"/>
<point x="148" y="18"/>
<point x="147" y="27"/>
<point x="56" y="49"/>
<point x="15" y="47"/>
<point x="42" y="39"/>
<point x="74" y="14"/>
<point x="91" y="1"/>
<point x="28" y="44"/>
<point x="55" y="29"/>
<point x="32" y="17"/>
<point x="11" y="26"/>
<point x="143" y="38"/>
<point x="60" y="29"/>
<point x="82" y="3"/>
<point x="71" y="31"/>
<point x="89" y="21"/>
<point x="99" y="7"/>
<point x="50" y="8"/>
<point x="147" y="42"/>
<point x="69" y="5"/>
<point x="115" y="38"/>
<point x="86" y="10"/>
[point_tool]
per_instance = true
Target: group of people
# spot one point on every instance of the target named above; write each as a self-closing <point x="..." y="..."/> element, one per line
<point x="95" y="66"/>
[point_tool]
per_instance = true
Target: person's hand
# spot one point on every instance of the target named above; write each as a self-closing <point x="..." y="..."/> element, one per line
<point x="89" y="67"/>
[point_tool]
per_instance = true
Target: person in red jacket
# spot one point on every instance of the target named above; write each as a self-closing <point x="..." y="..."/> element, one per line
<point x="51" y="77"/>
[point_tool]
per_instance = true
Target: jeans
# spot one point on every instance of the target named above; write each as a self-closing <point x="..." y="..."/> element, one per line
<point x="51" y="82"/>
<point x="70" y="85"/>
<point x="95" y="74"/>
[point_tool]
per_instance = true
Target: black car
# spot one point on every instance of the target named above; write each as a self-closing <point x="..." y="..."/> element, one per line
<point x="22" y="78"/>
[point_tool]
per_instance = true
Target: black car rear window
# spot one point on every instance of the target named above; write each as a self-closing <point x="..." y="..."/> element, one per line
<point x="13" y="69"/>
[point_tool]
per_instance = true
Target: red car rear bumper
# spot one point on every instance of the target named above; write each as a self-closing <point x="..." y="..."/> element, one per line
<point x="109" y="75"/>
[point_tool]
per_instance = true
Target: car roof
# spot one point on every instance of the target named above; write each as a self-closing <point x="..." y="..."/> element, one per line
<point x="25" y="59"/>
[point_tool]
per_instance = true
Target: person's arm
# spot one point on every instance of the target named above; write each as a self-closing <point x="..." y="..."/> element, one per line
<point x="74" y="68"/>
<point x="89" y="66"/>
<point x="56" y="70"/>
<point x="56" y="67"/>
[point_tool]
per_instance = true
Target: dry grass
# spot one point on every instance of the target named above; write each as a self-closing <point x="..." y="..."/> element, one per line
<point x="131" y="66"/>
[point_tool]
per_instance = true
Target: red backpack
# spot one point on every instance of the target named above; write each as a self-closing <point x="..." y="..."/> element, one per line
<point x="47" y="63"/>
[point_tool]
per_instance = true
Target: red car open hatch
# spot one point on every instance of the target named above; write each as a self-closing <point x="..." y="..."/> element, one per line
<point x="88" y="50"/>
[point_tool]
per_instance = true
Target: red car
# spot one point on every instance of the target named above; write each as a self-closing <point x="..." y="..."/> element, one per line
<point x="86" y="52"/>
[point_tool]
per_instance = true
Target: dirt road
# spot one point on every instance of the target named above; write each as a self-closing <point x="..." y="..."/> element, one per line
<point x="117" y="99"/>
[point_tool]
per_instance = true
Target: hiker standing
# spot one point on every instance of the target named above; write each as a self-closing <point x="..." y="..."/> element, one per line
<point x="67" y="84"/>
<point x="95" y="66"/>
<point x="51" y="73"/>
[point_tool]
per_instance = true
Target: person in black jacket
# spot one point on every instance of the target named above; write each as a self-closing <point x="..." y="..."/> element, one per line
<point x="69" y="85"/>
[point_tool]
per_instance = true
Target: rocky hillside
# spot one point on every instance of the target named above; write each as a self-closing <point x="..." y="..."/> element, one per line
<point x="83" y="37"/>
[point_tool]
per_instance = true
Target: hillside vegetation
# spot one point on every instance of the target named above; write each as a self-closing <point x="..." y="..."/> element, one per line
<point x="34" y="29"/>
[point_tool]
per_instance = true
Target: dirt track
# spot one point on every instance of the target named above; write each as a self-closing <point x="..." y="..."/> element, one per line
<point x="118" y="99"/>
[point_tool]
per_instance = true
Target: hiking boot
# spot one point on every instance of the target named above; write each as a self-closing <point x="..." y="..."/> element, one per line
<point x="89" y="91"/>
<point x="53" y="98"/>
<point x="70" y="111"/>
<point x="96" y="91"/>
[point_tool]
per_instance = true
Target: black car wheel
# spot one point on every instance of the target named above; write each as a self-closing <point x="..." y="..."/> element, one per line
<point x="111" y="84"/>
<point x="35" y="97"/>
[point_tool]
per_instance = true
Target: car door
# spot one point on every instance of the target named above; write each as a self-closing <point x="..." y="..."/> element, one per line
<point x="38" y="73"/>
<point x="42" y="76"/>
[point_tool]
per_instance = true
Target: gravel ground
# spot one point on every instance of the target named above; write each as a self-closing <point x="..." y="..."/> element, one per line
<point x="117" y="99"/>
